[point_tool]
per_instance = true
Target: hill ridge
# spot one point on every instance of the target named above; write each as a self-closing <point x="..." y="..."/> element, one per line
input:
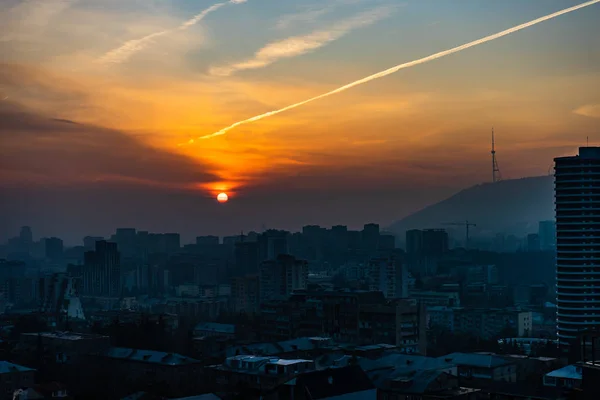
<point x="512" y="206"/>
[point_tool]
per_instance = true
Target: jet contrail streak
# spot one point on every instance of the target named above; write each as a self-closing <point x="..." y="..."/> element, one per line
<point x="399" y="67"/>
<point x="125" y="51"/>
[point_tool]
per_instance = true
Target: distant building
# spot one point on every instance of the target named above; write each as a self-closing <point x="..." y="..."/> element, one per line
<point x="486" y="274"/>
<point x="387" y="242"/>
<point x="172" y="243"/>
<point x="427" y="242"/>
<point x="547" y="235"/>
<point x="370" y="237"/>
<point x="102" y="271"/>
<point x="577" y="186"/>
<point x="26" y="235"/>
<point x="431" y="298"/>
<point x="484" y="323"/>
<point x="388" y="275"/>
<point x="89" y="242"/>
<point x="207" y="240"/>
<point x="280" y="277"/>
<point x="533" y="242"/>
<point x="247" y="257"/>
<point x="245" y="294"/>
<point x="401" y="323"/>
<point x="424" y="249"/>
<point x="271" y="244"/>
<point x="53" y="248"/>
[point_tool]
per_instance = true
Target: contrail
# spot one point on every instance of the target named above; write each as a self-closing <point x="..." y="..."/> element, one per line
<point x="122" y="53"/>
<point x="399" y="67"/>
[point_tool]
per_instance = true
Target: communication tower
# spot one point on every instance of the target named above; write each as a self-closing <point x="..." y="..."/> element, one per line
<point x="496" y="176"/>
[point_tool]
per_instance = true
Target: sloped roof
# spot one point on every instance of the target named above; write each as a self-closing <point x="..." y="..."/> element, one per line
<point x="215" y="327"/>
<point x="335" y="382"/>
<point x="8" y="367"/>
<point x="150" y="356"/>
<point x="476" y="360"/>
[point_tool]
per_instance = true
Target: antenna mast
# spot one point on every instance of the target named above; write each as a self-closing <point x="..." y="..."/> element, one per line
<point x="496" y="176"/>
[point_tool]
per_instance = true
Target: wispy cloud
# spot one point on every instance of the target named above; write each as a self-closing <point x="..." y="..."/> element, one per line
<point x="303" y="17"/>
<point x="129" y="48"/>
<point x="589" y="110"/>
<point x="310" y="14"/>
<point x="299" y="45"/>
<point x="30" y="17"/>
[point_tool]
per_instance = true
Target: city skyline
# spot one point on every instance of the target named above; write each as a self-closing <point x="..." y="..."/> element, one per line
<point x="97" y="114"/>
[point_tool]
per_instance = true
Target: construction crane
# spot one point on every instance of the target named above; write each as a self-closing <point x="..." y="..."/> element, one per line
<point x="467" y="225"/>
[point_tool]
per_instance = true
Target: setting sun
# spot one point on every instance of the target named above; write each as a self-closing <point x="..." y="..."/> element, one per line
<point x="222" y="197"/>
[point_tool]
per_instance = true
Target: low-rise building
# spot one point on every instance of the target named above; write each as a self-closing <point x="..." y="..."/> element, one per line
<point x="349" y="382"/>
<point x="209" y="329"/>
<point x="476" y="366"/>
<point x="14" y="377"/>
<point x="484" y="323"/>
<point x="62" y="347"/>
<point x="569" y="377"/>
<point x="426" y="385"/>
<point x="251" y="373"/>
<point x="304" y="347"/>
<point x="137" y="369"/>
<point x="431" y="298"/>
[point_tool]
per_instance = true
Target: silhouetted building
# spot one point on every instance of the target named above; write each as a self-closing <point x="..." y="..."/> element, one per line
<point x="424" y="249"/>
<point x="547" y="235"/>
<point x="89" y="242"/>
<point x="54" y="248"/>
<point x="428" y="241"/>
<point x="271" y="244"/>
<point x="246" y="258"/>
<point x="388" y="275"/>
<point x="207" y="240"/>
<point x="401" y="323"/>
<point x="370" y="237"/>
<point x="245" y="294"/>
<point x="577" y="193"/>
<point x="102" y="271"/>
<point x="278" y="278"/>
<point x="125" y="238"/>
<point x="26" y="236"/>
<point x="533" y="242"/>
<point x="172" y="242"/>
<point x="387" y="242"/>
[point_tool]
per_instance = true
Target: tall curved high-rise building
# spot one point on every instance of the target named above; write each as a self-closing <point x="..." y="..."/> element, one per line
<point x="577" y="198"/>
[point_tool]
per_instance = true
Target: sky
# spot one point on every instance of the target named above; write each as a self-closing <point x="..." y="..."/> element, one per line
<point x="96" y="98"/>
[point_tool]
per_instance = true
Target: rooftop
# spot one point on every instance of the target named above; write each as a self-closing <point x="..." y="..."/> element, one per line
<point x="398" y="365"/>
<point x="568" y="372"/>
<point x="270" y="360"/>
<point x="475" y="360"/>
<point x="66" y="335"/>
<point x="150" y="356"/>
<point x="7" y="368"/>
<point x="216" y="327"/>
<point x="274" y="348"/>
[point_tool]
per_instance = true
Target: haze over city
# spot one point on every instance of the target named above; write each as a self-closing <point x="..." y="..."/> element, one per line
<point x="299" y="200"/>
<point x="94" y="100"/>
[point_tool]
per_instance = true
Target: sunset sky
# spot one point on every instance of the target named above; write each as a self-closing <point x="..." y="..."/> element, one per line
<point x="96" y="95"/>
